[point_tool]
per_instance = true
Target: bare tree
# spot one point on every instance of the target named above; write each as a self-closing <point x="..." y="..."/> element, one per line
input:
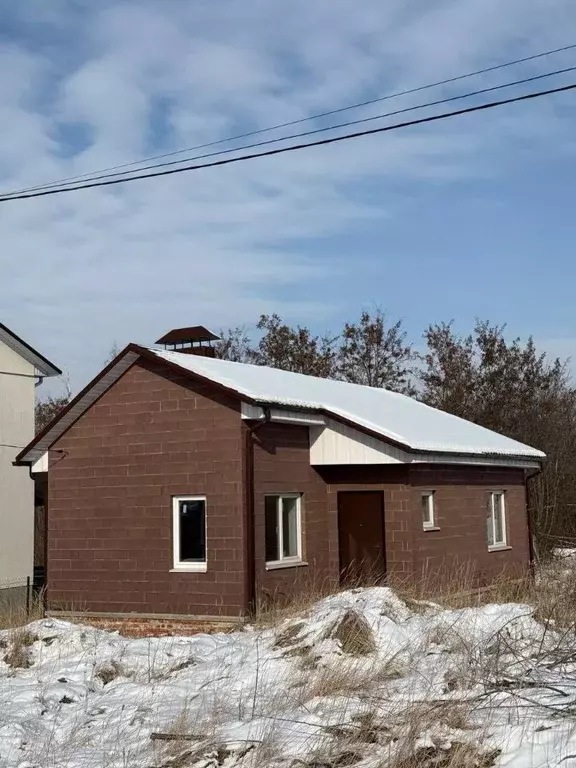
<point x="50" y="406"/>
<point x="376" y="354"/>
<point x="294" y="349"/>
<point x="112" y="352"/>
<point x="509" y="387"/>
<point x="234" y="345"/>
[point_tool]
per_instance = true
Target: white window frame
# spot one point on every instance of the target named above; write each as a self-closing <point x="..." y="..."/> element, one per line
<point x="430" y="524"/>
<point x="285" y="562"/>
<point x="492" y="517"/>
<point x="187" y="566"/>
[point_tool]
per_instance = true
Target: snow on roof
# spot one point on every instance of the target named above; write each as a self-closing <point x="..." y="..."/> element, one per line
<point x="397" y="417"/>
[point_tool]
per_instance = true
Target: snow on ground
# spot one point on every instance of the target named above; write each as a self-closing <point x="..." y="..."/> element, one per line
<point x="317" y="690"/>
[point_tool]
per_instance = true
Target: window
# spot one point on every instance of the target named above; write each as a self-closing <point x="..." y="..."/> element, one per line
<point x="283" y="529"/>
<point x="189" y="532"/>
<point x="428" y="520"/>
<point x="496" y="520"/>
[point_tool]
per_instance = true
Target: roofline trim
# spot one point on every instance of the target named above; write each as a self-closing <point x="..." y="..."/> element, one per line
<point x="23" y="458"/>
<point x="34" y="357"/>
<point x="149" y="354"/>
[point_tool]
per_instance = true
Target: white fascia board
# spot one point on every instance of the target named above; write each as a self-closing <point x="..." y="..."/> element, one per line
<point x="41" y="466"/>
<point x="284" y="416"/>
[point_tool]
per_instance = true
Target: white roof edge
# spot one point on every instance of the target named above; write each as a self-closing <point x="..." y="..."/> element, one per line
<point x="290" y="381"/>
<point x="387" y="434"/>
<point x="18" y="345"/>
<point x="456" y="450"/>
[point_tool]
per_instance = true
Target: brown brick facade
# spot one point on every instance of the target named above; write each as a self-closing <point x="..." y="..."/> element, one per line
<point x="393" y="481"/>
<point x="282" y="465"/>
<point x="151" y="436"/>
<point x="155" y="434"/>
<point x="461" y="503"/>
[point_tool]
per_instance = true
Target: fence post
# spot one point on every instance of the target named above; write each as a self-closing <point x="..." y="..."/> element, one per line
<point x="27" y="596"/>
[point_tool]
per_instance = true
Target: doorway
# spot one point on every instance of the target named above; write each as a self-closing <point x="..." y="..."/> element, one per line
<point x="361" y="537"/>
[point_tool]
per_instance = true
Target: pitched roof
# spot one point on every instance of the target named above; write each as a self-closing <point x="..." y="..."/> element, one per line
<point x="396" y="417"/>
<point x="413" y="425"/>
<point x="42" y="364"/>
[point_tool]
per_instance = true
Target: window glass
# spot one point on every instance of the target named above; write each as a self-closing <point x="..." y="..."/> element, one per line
<point x="498" y="518"/>
<point x="496" y="522"/>
<point x="272" y="528"/>
<point x="192" y="528"/>
<point x="289" y="527"/>
<point x="282" y="523"/>
<point x="490" y="526"/>
<point x="428" y="509"/>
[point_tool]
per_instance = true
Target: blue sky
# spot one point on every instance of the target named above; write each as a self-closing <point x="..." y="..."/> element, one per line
<point x="455" y="220"/>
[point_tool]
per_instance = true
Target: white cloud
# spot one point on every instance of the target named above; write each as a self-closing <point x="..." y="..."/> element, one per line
<point x="219" y="247"/>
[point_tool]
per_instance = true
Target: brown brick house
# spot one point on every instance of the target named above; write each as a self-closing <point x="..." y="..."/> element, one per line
<point x="179" y="484"/>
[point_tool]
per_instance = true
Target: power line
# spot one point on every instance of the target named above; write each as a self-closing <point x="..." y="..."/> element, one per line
<point x="368" y="102"/>
<point x="295" y="147"/>
<point x="316" y="130"/>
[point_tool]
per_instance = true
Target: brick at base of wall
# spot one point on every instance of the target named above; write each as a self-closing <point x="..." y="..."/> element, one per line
<point x="159" y="627"/>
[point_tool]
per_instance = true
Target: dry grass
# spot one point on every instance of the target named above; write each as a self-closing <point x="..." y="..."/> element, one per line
<point x="459" y="585"/>
<point x="180" y="743"/>
<point x="306" y="591"/>
<point x="551" y="590"/>
<point x="13" y="611"/>
<point x="389" y="730"/>
<point x="356" y="676"/>
<point x="354" y="633"/>
<point x="456" y="756"/>
<point x="108" y="672"/>
<point x="289" y="635"/>
<point x="18" y="655"/>
<point x="454" y="585"/>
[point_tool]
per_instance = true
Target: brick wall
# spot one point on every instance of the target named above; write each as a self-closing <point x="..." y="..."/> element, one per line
<point x="461" y="501"/>
<point x="154" y="435"/>
<point x="151" y="436"/>
<point x="282" y="465"/>
<point x="393" y="482"/>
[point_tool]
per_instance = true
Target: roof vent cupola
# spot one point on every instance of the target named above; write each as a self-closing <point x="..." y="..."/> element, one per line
<point x="196" y="340"/>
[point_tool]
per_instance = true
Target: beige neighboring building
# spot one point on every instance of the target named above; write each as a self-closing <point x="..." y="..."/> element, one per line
<point x="22" y="369"/>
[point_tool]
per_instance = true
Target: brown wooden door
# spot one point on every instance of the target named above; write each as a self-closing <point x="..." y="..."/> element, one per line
<point x="361" y="537"/>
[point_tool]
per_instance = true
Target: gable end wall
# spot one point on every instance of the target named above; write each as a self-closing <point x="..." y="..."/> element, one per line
<point x="151" y="436"/>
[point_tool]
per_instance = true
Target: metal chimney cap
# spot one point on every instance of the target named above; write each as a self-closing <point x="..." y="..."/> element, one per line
<point x="195" y="333"/>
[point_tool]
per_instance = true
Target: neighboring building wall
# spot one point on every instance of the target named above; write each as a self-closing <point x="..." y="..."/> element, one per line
<point x="16" y="487"/>
<point x="282" y="465"/>
<point x="151" y="436"/>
